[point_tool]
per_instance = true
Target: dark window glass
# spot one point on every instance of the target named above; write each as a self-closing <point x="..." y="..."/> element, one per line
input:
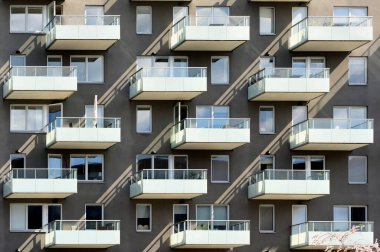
<point x="54" y="213"/>
<point x="34" y="217"/>
<point x="79" y="163"/>
<point x="95" y="166"/>
<point x="358" y="214"/>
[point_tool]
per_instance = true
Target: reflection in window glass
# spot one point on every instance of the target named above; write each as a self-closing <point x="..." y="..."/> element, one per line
<point x="357" y="71"/>
<point x="95" y="69"/>
<point x="220" y="168"/>
<point x="80" y="63"/>
<point x="220" y="70"/>
<point x="95" y="167"/>
<point x="144" y="20"/>
<point x="266" y="120"/>
<point x="143" y="217"/>
<point x="144" y="119"/>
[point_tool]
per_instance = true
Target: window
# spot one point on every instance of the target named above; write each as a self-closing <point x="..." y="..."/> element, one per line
<point x="220" y="171"/>
<point x="94" y="213"/>
<point x="266" y="218"/>
<point x="310" y="67"/>
<point x="180" y="212"/>
<point x="212" y="15"/>
<point x="212" y="217"/>
<point x="54" y="63"/>
<point x="89" y="167"/>
<point x="33" y="217"/>
<point x="144" y="162"/>
<point x="220" y="70"/>
<point x="347" y="15"/>
<point x="144" y="20"/>
<point x="299" y="214"/>
<point x="266" y="162"/>
<point x="267" y="21"/>
<point x="218" y="114"/>
<point x="18" y="161"/>
<point x="344" y="215"/>
<point x="267" y="62"/>
<point x="164" y="66"/>
<point x="94" y="14"/>
<point x="355" y="117"/>
<point x="89" y="68"/>
<point x="357" y="71"/>
<point x="306" y="167"/>
<point x="357" y="169"/>
<point x="143" y="217"/>
<point x="144" y="119"/>
<point x="28" y="118"/>
<point x="179" y="12"/>
<point x="26" y="19"/>
<point x="266" y="120"/>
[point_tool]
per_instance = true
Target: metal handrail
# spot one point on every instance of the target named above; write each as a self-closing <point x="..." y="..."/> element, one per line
<point x="40" y="71"/>
<point x="214" y="123"/>
<point x="84" y="122"/>
<point x="332" y="226"/>
<point x="277" y="72"/>
<point x="168" y="72"/>
<point x="177" y="174"/>
<point x="215" y="225"/>
<point x="277" y="174"/>
<point x="41" y="173"/>
<point x="80" y="225"/>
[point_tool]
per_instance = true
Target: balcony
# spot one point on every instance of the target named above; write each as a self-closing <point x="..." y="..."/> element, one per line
<point x="92" y="234"/>
<point x="40" y="183"/>
<point x="210" y="134"/>
<point x="40" y="83"/>
<point x="331" y="34"/>
<point x="168" y="184"/>
<point x="200" y="33"/>
<point x="179" y="83"/>
<point x="83" y="133"/>
<point x="331" y="134"/>
<point x="288" y="84"/>
<point x="82" y="32"/>
<point x="289" y="185"/>
<point x="205" y="234"/>
<point x="317" y="235"/>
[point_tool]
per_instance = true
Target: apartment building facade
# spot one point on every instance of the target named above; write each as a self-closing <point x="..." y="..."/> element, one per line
<point x="136" y="125"/>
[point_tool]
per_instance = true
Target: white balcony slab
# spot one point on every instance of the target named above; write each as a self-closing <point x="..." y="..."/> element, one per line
<point x="168" y="188"/>
<point x="305" y="240"/>
<point x="210" y="138"/>
<point x="331" y="139"/>
<point x="82" y="238"/>
<point x="288" y="89"/>
<point x="82" y="138"/>
<point x="39" y="87"/>
<point x="168" y="88"/>
<point x="82" y="37"/>
<point x="330" y="38"/>
<point x="209" y="38"/>
<point x="210" y="239"/>
<point x="288" y="189"/>
<point x="39" y="188"/>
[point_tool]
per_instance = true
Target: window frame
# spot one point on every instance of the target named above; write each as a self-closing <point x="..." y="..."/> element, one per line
<point x="187" y="210"/>
<point x="150" y="217"/>
<point x="273" y="124"/>
<point x="26" y="6"/>
<point x="150" y="32"/>
<point x="273" y="219"/>
<point x="45" y="116"/>
<point x="273" y="21"/>
<point x="269" y="155"/>
<point x="307" y="161"/>
<point x="228" y="170"/>
<point x="93" y="204"/>
<point x="365" y="71"/>
<point x="23" y="155"/>
<point x="170" y="159"/>
<point x="365" y="170"/>
<point x="212" y="82"/>
<point x="44" y="214"/>
<point x="86" y="62"/>
<point x="86" y="180"/>
<point x="349" y="210"/>
<point x="212" y="211"/>
<point x="150" y="121"/>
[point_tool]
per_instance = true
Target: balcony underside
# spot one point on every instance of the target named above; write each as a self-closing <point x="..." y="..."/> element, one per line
<point x="208" y="45"/>
<point x="81" y="44"/>
<point x="279" y="196"/>
<point x="164" y="95"/>
<point x="208" y="146"/>
<point x="81" y="145"/>
<point x="37" y="195"/>
<point x="83" y="246"/>
<point x="166" y="196"/>
<point x="285" y="96"/>
<point x="207" y="246"/>
<point x="330" y="146"/>
<point x="328" y="46"/>
<point x="38" y="95"/>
